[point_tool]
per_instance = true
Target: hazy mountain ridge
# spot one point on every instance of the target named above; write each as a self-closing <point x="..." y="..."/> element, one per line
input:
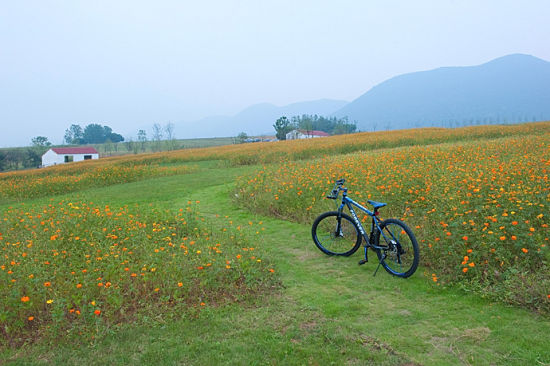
<point x="257" y="119"/>
<point x="512" y="88"/>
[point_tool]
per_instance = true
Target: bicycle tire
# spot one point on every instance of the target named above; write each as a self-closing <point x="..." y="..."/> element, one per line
<point x="401" y="254"/>
<point x="344" y="243"/>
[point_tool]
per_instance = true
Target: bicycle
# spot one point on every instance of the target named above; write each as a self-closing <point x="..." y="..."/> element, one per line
<point x="336" y="233"/>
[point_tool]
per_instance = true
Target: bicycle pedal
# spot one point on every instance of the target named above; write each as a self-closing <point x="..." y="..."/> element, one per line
<point x="362" y="261"/>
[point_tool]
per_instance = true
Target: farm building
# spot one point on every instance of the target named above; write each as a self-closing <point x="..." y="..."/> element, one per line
<point x="303" y="134"/>
<point x="62" y="155"/>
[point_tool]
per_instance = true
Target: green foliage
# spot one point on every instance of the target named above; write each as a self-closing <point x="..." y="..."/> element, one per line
<point x="305" y="122"/>
<point x="241" y="137"/>
<point x="330" y="125"/>
<point x="41" y="141"/>
<point x="74" y="135"/>
<point x="91" y="134"/>
<point x="94" y="134"/>
<point x="282" y="126"/>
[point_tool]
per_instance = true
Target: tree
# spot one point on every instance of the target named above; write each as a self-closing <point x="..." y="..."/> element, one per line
<point x="343" y="126"/>
<point x="306" y="123"/>
<point x="3" y="161"/>
<point x="157" y="136"/>
<point x="74" y="135"/>
<point x="14" y="159"/>
<point x="241" y="137"/>
<point x="94" y="134"/>
<point x="330" y="125"/>
<point x="33" y="158"/>
<point x="282" y="127"/>
<point x="142" y="138"/>
<point x="107" y="131"/>
<point x="115" y="137"/>
<point x="108" y="147"/>
<point x="170" y="136"/>
<point x="132" y="146"/>
<point x="40" y="141"/>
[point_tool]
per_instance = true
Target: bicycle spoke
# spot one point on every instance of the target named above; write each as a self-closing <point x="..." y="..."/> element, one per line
<point x="401" y="250"/>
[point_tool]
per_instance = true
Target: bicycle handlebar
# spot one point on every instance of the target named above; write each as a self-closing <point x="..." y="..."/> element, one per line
<point x="337" y="186"/>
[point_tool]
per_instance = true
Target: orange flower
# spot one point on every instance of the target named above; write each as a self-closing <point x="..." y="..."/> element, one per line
<point x="47" y="284"/>
<point x="464" y="238"/>
<point x="502" y="238"/>
<point x="524" y="250"/>
<point x="78" y="285"/>
<point x="465" y="269"/>
<point x="25" y="298"/>
<point x="30" y="318"/>
<point x="514" y="223"/>
<point x="97" y="312"/>
<point x="513" y="237"/>
<point x="180" y="284"/>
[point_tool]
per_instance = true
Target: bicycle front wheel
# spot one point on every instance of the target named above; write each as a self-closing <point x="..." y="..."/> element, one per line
<point x="399" y="254"/>
<point x="336" y="234"/>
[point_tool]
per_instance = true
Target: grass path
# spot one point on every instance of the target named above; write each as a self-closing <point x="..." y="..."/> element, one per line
<point x="328" y="311"/>
<point x="409" y="320"/>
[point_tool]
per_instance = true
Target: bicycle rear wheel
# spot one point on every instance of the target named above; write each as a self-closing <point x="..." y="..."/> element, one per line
<point x="336" y="234"/>
<point x="400" y="253"/>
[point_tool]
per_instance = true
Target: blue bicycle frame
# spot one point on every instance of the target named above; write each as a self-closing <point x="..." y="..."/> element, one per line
<point x="346" y="201"/>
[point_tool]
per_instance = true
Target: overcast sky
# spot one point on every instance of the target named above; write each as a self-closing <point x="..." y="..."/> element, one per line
<point x="129" y="64"/>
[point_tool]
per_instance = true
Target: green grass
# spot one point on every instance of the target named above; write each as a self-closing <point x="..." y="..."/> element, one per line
<point x="327" y="311"/>
<point x="122" y="148"/>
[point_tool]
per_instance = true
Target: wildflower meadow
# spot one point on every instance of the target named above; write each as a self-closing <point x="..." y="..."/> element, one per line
<point x="93" y="248"/>
<point x="479" y="209"/>
<point x="80" y="267"/>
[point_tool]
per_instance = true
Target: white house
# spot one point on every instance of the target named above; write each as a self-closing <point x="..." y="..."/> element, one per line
<point x="303" y="134"/>
<point x="62" y="155"/>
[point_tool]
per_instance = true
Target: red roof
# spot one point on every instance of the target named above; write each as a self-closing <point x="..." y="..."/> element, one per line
<point x="75" y="150"/>
<point x="314" y="133"/>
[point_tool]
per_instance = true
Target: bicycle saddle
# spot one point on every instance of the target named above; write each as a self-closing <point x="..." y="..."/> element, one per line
<point x="376" y="205"/>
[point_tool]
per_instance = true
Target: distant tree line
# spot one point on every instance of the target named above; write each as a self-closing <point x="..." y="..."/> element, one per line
<point x="24" y="158"/>
<point x="306" y="122"/>
<point x="93" y="133"/>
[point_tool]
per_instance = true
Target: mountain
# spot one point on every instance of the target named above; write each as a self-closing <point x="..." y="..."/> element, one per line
<point x="255" y="120"/>
<point x="512" y="88"/>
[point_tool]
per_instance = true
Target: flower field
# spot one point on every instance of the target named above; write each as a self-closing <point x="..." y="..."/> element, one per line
<point x="477" y="199"/>
<point x="77" y="176"/>
<point x="479" y="209"/>
<point x="83" y="268"/>
<point x="73" y="177"/>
